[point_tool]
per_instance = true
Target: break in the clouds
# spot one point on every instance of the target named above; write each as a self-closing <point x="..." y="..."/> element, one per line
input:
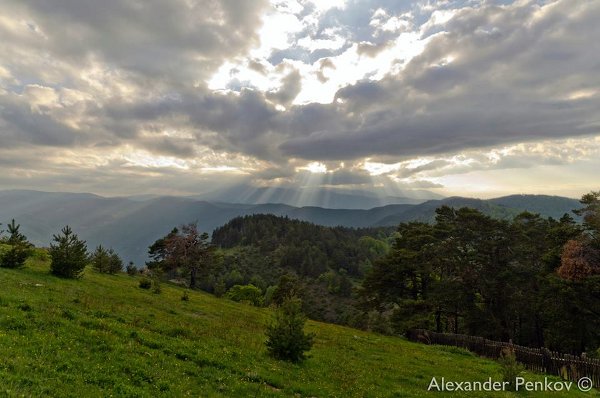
<point x="190" y="96"/>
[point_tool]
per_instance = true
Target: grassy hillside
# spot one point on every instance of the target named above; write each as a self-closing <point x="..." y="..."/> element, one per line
<point x="103" y="336"/>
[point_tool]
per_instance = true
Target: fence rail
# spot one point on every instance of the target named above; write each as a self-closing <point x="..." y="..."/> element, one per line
<point x="569" y="367"/>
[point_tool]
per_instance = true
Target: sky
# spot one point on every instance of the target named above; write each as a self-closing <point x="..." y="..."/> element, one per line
<point x="475" y="98"/>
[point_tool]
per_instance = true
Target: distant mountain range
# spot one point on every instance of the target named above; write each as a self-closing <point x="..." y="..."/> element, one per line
<point x="327" y="197"/>
<point x="130" y="225"/>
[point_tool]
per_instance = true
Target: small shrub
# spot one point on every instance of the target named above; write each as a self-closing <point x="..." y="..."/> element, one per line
<point x="286" y="339"/>
<point x="220" y="288"/>
<point x="41" y="254"/>
<point x="510" y="367"/>
<point x="19" y="250"/>
<point x="14" y="257"/>
<point x="131" y="269"/>
<point x="185" y="296"/>
<point x="268" y="297"/>
<point x="379" y="322"/>
<point x="145" y="283"/>
<point x="245" y="293"/>
<point x="156" y="289"/>
<point x="68" y="314"/>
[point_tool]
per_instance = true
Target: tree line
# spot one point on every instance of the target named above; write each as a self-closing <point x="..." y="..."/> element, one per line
<point x="68" y="254"/>
<point x="532" y="280"/>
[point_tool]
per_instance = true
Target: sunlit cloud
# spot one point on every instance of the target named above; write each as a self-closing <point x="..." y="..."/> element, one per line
<point x="314" y="168"/>
<point x="454" y="97"/>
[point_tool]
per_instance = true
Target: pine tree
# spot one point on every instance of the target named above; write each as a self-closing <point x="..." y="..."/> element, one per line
<point x="106" y="261"/>
<point x="286" y="339"/>
<point x="16" y="256"/>
<point x="115" y="264"/>
<point x="100" y="259"/>
<point x="69" y="255"/>
<point x="187" y="249"/>
<point x="131" y="269"/>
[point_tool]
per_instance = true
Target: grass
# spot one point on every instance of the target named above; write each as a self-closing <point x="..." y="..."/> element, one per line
<point x="103" y="336"/>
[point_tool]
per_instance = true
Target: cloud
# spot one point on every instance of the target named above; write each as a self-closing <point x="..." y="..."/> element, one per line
<point x="498" y="75"/>
<point x="364" y="79"/>
<point x="422" y="184"/>
<point x="405" y="172"/>
<point x="370" y="49"/>
<point x="176" y="40"/>
<point x="291" y="85"/>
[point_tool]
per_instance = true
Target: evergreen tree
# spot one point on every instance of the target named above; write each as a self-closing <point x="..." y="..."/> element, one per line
<point x="289" y="287"/>
<point x="286" y="339"/>
<point x="115" y="264"/>
<point x="106" y="261"/>
<point x="16" y="256"/>
<point x="100" y="259"/>
<point x="69" y="255"/>
<point x="591" y="216"/>
<point x="131" y="269"/>
<point x="187" y="249"/>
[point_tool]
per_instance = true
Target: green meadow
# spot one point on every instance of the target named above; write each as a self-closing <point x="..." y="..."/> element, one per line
<point x="104" y="336"/>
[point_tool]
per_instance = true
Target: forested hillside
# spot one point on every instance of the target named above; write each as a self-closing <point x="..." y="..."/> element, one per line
<point x="325" y="262"/>
<point x="530" y="279"/>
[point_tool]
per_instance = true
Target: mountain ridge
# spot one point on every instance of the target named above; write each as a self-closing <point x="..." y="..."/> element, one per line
<point x="130" y="226"/>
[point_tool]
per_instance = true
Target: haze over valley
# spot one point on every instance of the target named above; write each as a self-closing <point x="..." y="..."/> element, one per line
<point x="131" y="225"/>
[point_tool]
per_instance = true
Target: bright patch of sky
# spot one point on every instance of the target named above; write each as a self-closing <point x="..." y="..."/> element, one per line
<point x="395" y="40"/>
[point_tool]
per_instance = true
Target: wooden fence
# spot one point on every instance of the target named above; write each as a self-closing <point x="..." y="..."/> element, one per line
<point x="569" y="367"/>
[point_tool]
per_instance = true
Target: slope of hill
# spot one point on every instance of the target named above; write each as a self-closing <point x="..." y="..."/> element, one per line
<point x="103" y="336"/>
<point x="131" y="225"/>
<point x="551" y="206"/>
<point x="327" y="261"/>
